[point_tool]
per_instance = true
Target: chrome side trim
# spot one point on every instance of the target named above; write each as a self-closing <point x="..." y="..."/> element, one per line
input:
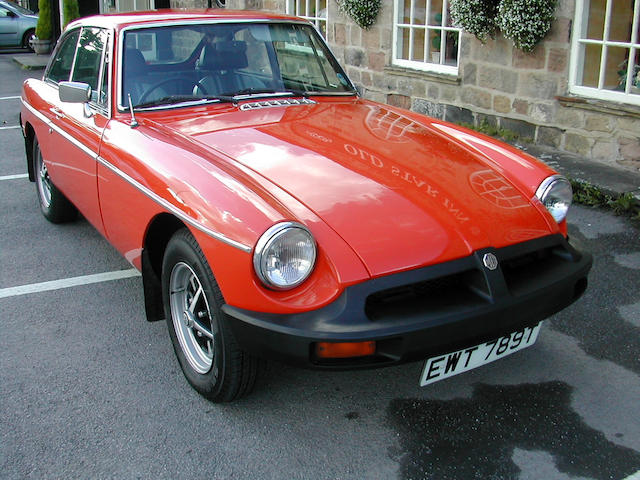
<point x="153" y="196"/>
<point x="171" y="208"/>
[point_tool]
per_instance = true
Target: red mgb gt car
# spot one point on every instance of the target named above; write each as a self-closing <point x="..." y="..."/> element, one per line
<point x="274" y="213"/>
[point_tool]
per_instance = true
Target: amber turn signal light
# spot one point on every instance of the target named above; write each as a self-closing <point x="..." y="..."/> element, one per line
<point x="345" y="349"/>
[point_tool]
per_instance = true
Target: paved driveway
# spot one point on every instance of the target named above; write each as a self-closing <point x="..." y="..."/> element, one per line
<point x="89" y="389"/>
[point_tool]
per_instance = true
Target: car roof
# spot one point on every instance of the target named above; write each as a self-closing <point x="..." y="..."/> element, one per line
<point x="118" y="21"/>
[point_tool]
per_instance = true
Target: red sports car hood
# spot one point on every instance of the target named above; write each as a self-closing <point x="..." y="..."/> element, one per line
<point x="401" y="189"/>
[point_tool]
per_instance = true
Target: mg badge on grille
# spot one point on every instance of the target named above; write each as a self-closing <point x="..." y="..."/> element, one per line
<point x="490" y="261"/>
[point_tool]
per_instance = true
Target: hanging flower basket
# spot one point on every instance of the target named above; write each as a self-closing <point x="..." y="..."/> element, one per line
<point x="526" y="22"/>
<point x="475" y="16"/>
<point x="363" y="12"/>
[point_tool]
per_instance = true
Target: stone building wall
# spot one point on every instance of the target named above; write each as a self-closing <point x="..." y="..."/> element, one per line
<point x="497" y="83"/>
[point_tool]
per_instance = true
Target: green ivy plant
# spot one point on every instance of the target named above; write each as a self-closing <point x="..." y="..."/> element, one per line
<point x="363" y="12"/>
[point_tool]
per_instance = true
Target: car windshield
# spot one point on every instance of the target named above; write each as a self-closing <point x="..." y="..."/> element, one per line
<point x="19" y="9"/>
<point x="172" y="66"/>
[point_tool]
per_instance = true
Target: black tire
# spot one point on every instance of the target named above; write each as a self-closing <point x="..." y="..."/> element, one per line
<point x="208" y="353"/>
<point x="53" y="204"/>
<point x="28" y="35"/>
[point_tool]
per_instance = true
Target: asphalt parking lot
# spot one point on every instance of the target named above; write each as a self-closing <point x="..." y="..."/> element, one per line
<point x="89" y="389"/>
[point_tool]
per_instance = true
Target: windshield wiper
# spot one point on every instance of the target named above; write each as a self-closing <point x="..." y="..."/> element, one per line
<point x="168" y="100"/>
<point x="178" y="99"/>
<point x="250" y="92"/>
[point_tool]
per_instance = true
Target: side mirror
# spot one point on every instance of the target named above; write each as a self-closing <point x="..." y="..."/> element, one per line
<point x="11" y="14"/>
<point x="74" y="92"/>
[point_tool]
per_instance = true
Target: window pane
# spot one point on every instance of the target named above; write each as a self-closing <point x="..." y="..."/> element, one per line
<point x="403" y="40"/>
<point x="435" y="15"/>
<point x="616" y="68"/>
<point x="419" y="12"/>
<point x="451" y="49"/>
<point x="61" y="66"/>
<point x="591" y="71"/>
<point x="635" y="75"/>
<point x="435" y="42"/>
<point x="87" y="67"/>
<point x="418" y="45"/>
<point x="621" y="21"/>
<point x="405" y="12"/>
<point x="597" y="13"/>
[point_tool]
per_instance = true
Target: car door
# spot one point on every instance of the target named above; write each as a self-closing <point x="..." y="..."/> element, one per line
<point x="8" y="27"/>
<point x="74" y="149"/>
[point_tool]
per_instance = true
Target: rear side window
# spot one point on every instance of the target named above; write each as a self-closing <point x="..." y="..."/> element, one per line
<point x="60" y="69"/>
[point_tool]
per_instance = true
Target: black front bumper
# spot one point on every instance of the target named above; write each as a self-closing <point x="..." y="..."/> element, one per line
<point x="420" y="313"/>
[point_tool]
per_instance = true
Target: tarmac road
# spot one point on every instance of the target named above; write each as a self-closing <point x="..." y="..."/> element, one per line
<point x="89" y="389"/>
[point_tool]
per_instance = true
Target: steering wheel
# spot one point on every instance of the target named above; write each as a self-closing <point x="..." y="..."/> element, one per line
<point x="162" y="83"/>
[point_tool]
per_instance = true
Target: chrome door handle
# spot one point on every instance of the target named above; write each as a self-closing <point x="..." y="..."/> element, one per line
<point x="57" y="112"/>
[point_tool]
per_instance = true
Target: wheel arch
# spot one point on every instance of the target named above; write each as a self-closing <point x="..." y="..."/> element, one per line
<point x="25" y="37"/>
<point x="159" y="232"/>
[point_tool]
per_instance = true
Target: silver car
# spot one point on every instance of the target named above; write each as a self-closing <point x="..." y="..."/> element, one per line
<point x="17" y="25"/>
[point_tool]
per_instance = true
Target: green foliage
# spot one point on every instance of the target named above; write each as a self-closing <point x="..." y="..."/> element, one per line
<point x="588" y="194"/>
<point x="44" y="29"/>
<point x="624" y="204"/>
<point x="493" y="131"/>
<point x="71" y="11"/>
<point x="363" y="12"/>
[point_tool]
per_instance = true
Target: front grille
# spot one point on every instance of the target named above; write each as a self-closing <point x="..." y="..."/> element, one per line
<point x="523" y="270"/>
<point x="449" y="294"/>
<point x="524" y="273"/>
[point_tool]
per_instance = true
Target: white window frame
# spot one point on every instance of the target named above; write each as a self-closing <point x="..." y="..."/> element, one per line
<point x="293" y="8"/>
<point x="576" y="63"/>
<point x="425" y="65"/>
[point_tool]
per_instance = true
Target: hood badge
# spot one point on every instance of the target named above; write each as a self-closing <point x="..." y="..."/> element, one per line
<point x="490" y="261"/>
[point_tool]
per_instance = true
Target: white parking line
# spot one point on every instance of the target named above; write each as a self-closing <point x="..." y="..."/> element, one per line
<point x="10" y="128"/>
<point x="14" y="177"/>
<point x="633" y="476"/>
<point x="68" y="282"/>
<point x="9" y="98"/>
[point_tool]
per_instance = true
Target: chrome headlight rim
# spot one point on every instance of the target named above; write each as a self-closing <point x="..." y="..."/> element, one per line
<point x="547" y="187"/>
<point x="264" y="243"/>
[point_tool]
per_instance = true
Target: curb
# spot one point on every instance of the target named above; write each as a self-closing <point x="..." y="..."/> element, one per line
<point x="31" y="61"/>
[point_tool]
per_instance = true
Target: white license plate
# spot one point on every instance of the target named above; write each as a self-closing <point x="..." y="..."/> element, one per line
<point x="450" y="364"/>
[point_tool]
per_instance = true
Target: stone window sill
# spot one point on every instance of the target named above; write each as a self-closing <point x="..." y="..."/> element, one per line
<point x="602" y="106"/>
<point x="422" y="75"/>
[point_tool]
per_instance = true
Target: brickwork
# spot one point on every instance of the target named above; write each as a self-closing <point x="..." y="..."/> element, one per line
<point x="496" y="82"/>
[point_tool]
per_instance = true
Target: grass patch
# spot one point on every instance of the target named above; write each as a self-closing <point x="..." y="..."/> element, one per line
<point x="588" y="194"/>
<point x="494" y="131"/>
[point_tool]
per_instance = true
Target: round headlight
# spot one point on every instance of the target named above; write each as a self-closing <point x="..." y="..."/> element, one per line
<point x="556" y="194"/>
<point x="284" y="256"/>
